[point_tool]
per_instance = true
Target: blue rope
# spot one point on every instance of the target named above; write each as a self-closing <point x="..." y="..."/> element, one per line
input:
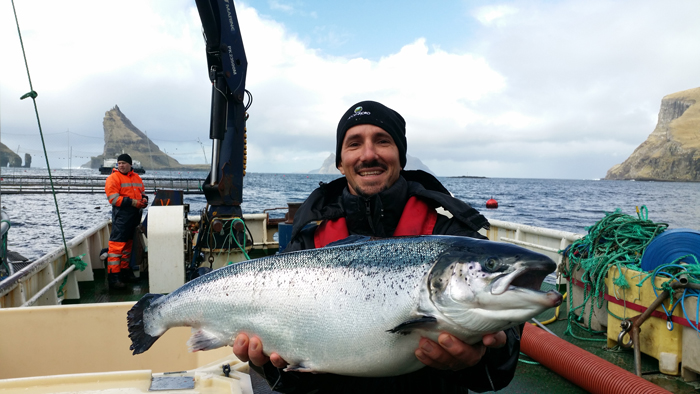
<point x="674" y="271"/>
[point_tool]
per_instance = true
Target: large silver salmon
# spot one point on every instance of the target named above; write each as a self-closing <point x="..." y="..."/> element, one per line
<point x="355" y="309"/>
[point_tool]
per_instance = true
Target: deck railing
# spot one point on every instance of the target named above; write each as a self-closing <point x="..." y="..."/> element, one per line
<point x="37" y="283"/>
<point x="38" y="184"/>
<point x="543" y="240"/>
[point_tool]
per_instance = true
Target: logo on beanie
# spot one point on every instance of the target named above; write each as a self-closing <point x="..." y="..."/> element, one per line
<point x="358" y="111"/>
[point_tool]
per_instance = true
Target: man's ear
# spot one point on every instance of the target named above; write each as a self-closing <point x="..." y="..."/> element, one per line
<point x="340" y="168"/>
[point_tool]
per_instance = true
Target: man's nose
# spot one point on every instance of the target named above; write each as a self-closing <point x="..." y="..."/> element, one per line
<point x="368" y="152"/>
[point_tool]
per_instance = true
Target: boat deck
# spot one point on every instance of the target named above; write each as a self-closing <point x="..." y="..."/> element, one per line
<point x="529" y="378"/>
<point x="96" y="291"/>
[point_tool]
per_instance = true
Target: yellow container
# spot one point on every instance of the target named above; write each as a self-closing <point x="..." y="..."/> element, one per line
<point x="691" y="343"/>
<point x="654" y="337"/>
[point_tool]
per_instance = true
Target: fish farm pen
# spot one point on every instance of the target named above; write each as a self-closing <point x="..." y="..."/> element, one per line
<point x="39" y="184"/>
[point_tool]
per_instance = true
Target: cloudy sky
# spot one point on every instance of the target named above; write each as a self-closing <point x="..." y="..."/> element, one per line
<point x="526" y="89"/>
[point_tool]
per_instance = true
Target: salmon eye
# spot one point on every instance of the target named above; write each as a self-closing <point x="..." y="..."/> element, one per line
<point x="492" y="264"/>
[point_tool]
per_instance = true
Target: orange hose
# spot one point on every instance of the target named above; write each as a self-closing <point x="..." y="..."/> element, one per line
<point x="582" y="368"/>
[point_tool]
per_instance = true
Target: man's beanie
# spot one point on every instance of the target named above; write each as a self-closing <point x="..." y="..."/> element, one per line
<point x="124" y="157"/>
<point x="374" y="113"/>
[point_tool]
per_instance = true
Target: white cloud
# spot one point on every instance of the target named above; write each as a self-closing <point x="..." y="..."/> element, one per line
<point x="291" y="9"/>
<point x="490" y="15"/>
<point x="563" y="89"/>
<point x="278" y="5"/>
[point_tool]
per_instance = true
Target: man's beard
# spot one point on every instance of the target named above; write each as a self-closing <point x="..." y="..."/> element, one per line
<point x="371" y="164"/>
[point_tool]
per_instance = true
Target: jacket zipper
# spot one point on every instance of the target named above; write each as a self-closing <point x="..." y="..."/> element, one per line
<point x="368" y="215"/>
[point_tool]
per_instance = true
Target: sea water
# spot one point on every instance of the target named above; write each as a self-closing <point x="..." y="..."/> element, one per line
<point x="561" y="204"/>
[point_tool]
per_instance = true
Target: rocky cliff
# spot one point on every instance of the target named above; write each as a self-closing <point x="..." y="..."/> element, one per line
<point x="672" y="150"/>
<point x="121" y="136"/>
<point x="7" y="156"/>
<point x="328" y="166"/>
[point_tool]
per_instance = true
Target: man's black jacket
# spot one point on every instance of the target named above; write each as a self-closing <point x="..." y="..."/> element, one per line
<point x="378" y="216"/>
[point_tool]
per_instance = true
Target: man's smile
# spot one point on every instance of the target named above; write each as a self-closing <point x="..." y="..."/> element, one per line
<point x="369" y="173"/>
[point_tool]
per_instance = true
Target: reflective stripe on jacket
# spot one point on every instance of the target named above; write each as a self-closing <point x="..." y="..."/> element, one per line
<point x="418" y="218"/>
<point x="119" y="186"/>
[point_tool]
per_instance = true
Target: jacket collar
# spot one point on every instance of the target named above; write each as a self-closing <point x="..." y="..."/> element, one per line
<point x="376" y="215"/>
<point x="325" y="202"/>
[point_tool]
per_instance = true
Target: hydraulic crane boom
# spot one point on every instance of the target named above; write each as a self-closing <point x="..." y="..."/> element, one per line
<point x="227" y="65"/>
<point x="221" y="228"/>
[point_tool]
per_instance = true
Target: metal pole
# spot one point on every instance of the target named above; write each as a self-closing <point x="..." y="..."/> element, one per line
<point x="215" y="150"/>
<point x="638" y="320"/>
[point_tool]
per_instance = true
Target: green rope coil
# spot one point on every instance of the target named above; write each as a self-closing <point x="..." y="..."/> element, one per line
<point x="79" y="264"/>
<point x="618" y="240"/>
<point x="530" y="362"/>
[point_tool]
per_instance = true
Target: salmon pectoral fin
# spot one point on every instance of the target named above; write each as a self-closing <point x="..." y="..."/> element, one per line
<point x="406" y="327"/>
<point x="205" y="340"/>
<point x="300" y="368"/>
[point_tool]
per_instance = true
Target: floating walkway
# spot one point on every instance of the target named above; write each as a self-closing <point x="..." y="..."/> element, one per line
<point x="40" y="184"/>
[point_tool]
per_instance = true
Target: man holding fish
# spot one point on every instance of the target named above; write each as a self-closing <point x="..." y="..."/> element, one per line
<point x="378" y="198"/>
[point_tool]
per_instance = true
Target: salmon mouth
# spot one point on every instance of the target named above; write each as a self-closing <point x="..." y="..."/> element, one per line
<point x="525" y="278"/>
<point x="531" y="279"/>
<point x="527" y="284"/>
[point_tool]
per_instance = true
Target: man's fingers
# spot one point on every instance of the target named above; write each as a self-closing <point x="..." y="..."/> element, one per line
<point x="255" y="352"/>
<point x="496" y="340"/>
<point x="433" y="355"/>
<point x="463" y="355"/>
<point x="240" y="347"/>
<point x="251" y="349"/>
<point x="449" y="353"/>
<point x="278" y="361"/>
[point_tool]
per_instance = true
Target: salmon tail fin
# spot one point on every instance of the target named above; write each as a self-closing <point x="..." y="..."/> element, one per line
<point x="140" y="341"/>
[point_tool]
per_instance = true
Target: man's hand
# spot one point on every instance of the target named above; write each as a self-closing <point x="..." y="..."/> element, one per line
<point x="252" y="350"/>
<point x="453" y="354"/>
<point x="142" y="203"/>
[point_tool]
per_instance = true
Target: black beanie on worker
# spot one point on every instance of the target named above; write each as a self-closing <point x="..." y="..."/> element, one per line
<point x="124" y="157"/>
<point x="377" y="114"/>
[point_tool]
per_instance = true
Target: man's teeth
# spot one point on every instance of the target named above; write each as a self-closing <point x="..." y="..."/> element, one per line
<point x="364" y="173"/>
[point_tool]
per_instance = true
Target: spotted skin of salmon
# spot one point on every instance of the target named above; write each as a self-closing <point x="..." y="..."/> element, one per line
<point x="357" y="309"/>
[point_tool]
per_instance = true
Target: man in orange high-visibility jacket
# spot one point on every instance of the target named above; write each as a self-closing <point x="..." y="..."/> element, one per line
<point x="124" y="189"/>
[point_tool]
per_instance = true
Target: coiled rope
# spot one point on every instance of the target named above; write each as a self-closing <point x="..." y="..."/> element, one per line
<point x="674" y="271"/>
<point x="77" y="261"/>
<point x="616" y="240"/>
